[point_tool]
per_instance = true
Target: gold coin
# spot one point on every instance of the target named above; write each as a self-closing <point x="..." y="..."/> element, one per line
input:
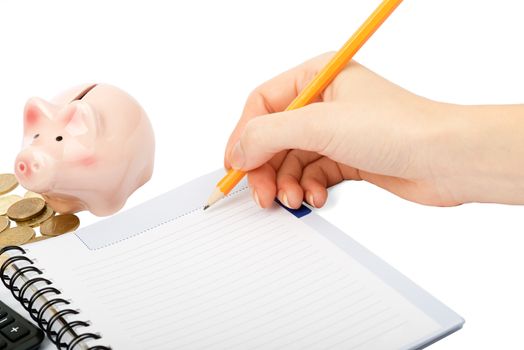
<point x="8" y="182"/>
<point x="26" y="209"/>
<point x="30" y="194"/>
<point x="7" y="201"/>
<point x="60" y="224"/>
<point x="38" y="239"/>
<point x="16" y="236"/>
<point x="4" y="223"/>
<point x="38" y="220"/>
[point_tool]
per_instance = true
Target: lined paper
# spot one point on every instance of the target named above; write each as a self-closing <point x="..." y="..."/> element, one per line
<point x="233" y="277"/>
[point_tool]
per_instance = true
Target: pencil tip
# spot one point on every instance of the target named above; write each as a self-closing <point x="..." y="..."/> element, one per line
<point x="206" y="207"/>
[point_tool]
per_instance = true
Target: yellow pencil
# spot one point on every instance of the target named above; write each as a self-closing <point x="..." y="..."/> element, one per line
<point x="319" y="83"/>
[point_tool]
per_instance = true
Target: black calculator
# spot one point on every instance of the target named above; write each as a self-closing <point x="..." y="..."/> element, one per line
<point x="16" y="333"/>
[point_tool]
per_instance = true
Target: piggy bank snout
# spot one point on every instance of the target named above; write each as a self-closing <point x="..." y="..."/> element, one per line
<point x="26" y="167"/>
<point x="34" y="171"/>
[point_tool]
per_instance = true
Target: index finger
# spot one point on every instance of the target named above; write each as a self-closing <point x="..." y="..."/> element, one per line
<point x="275" y="95"/>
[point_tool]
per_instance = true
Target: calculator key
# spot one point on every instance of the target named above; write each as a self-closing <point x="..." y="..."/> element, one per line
<point x="5" y="321"/>
<point x="15" y="331"/>
<point x="3" y="313"/>
<point x="3" y="344"/>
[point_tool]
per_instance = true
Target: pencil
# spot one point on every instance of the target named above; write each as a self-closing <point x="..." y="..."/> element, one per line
<point x="318" y="84"/>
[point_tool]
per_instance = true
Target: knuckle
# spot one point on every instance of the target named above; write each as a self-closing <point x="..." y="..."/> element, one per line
<point x="322" y="59"/>
<point x="252" y="133"/>
<point x="297" y="157"/>
<point x="253" y="96"/>
<point x="256" y="100"/>
<point x="328" y="55"/>
<point x="309" y="170"/>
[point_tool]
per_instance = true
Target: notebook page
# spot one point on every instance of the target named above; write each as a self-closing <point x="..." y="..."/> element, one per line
<point x="233" y="277"/>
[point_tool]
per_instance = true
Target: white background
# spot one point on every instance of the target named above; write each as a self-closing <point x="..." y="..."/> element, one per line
<point x="191" y="65"/>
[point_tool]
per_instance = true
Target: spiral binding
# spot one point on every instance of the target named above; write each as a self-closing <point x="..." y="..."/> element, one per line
<point x="52" y="297"/>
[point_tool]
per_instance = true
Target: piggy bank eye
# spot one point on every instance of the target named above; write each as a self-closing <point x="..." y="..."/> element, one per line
<point x="59" y="138"/>
<point x="36" y="136"/>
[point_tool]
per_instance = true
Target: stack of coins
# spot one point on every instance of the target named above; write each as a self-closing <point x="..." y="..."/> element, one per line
<point x="20" y="216"/>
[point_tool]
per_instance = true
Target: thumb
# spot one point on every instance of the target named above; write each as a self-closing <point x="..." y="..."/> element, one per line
<point x="309" y="128"/>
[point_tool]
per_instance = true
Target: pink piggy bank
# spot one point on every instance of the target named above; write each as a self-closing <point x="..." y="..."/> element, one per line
<point x="88" y="149"/>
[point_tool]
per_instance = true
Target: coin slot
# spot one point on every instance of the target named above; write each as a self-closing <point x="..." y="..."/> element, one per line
<point x="82" y="94"/>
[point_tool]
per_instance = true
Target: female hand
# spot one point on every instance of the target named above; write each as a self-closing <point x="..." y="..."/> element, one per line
<point x="362" y="127"/>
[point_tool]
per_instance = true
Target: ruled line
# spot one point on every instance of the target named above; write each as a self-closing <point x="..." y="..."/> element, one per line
<point x="86" y="269"/>
<point x="168" y="280"/>
<point x="179" y="257"/>
<point x="227" y="283"/>
<point x="246" y="293"/>
<point x="241" y="278"/>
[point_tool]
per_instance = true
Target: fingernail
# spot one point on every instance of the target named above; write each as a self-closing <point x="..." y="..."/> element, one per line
<point x="255" y="196"/>
<point x="237" y="156"/>
<point x="310" y="199"/>
<point x="283" y="198"/>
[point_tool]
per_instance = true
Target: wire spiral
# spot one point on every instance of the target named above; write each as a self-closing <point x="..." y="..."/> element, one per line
<point x="27" y="293"/>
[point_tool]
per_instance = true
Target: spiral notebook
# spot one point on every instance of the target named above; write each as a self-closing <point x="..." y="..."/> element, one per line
<point x="167" y="275"/>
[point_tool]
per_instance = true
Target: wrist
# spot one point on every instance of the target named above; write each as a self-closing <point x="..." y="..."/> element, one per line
<point x="477" y="153"/>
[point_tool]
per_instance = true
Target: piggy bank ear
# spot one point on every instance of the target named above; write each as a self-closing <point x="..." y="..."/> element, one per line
<point x="37" y="111"/>
<point x="79" y="119"/>
<point x="81" y="124"/>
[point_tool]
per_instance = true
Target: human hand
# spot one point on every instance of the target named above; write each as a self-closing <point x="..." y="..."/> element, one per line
<point x="362" y="127"/>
